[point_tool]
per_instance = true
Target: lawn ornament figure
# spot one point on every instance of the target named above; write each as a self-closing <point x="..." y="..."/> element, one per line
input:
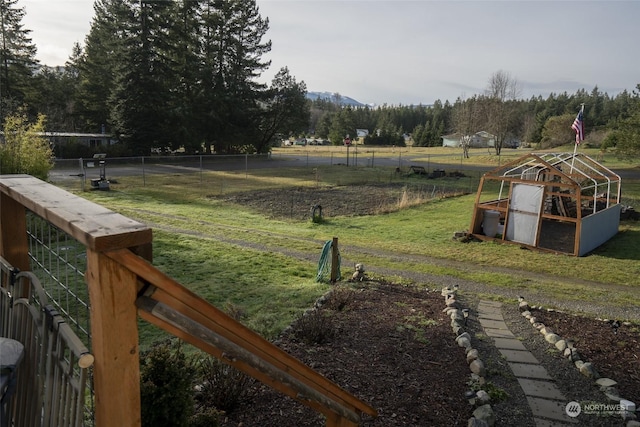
<point x="358" y="275"/>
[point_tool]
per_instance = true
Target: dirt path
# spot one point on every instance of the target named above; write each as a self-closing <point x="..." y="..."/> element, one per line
<point x="351" y="254"/>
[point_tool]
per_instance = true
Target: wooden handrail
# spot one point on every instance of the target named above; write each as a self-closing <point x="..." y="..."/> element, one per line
<point x="94" y="226"/>
<point x="242" y="347"/>
<point x="123" y="284"/>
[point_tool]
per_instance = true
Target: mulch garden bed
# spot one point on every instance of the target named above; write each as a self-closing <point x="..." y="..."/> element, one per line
<point x="389" y="345"/>
<point x="613" y="348"/>
<point x="393" y="347"/>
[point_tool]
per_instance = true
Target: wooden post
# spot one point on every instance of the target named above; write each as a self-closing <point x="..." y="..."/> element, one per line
<point x="14" y="246"/>
<point x="335" y="264"/>
<point x="114" y="339"/>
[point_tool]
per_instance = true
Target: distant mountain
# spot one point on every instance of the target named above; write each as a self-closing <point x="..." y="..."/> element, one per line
<point x="329" y="96"/>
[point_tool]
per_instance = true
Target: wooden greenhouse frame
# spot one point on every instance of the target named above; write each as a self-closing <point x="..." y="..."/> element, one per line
<point x="556" y="202"/>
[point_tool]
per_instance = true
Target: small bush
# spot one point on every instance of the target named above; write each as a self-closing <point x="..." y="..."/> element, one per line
<point x="166" y="388"/>
<point x="314" y="327"/>
<point x="24" y="150"/>
<point x="223" y="386"/>
<point x="207" y="417"/>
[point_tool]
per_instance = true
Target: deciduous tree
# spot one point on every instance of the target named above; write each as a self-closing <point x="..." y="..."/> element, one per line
<point x="25" y="150"/>
<point x="500" y="106"/>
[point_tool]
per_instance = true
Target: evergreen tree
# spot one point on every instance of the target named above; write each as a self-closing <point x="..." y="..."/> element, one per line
<point x="103" y="52"/>
<point x="56" y="93"/>
<point x="628" y="133"/>
<point x="17" y="58"/>
<point x="183" y="78"/>
<point x="232" y="52"/>
<point x="139" y="101"/>
<point x="285" y="110"/>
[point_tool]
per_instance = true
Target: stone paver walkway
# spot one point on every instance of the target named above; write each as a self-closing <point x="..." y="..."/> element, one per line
<point x="545" y="399"/>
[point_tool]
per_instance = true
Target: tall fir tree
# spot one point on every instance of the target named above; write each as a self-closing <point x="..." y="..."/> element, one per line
<point x="139" y="102"/>
<point x="17" y="58"/>
<point x="232" y="60"/>
<point x="103" y="51"/>
<point x="183" y="78"/>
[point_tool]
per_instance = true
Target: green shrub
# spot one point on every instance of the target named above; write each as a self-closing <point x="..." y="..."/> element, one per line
<point x="207" y="417"/>
<point x="166" y="385"/>
<point x="222" y="386"/>
<point x="25" y="150"/>
<point x="314" y="327"/>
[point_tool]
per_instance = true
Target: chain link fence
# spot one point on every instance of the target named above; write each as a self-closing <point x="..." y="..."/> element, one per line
<point x="221" y="174"/>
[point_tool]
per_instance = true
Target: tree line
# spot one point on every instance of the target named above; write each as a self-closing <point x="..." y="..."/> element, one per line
<point x="611" y="121"/>
<point x="170" y="74"/>
<point x="158" y="74"/>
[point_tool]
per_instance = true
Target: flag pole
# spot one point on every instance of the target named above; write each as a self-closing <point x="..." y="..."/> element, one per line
<point x="575" y="146"/>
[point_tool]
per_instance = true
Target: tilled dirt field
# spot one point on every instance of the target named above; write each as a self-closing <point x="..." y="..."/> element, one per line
<point x="298" y="203"/>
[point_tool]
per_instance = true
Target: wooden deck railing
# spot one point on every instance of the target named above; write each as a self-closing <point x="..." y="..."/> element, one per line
<point x="122" y="284"/>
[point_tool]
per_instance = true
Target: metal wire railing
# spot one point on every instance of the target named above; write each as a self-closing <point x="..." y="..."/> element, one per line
<point x="59" y="263"/>
<point x="52" y="379"/>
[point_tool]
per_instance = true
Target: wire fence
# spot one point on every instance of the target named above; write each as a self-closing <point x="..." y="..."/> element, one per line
<point x="222" y="174"/>
<point x="59" y="263"/>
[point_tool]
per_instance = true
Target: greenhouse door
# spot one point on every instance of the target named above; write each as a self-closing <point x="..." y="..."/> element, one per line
<point x="524" y="213"/>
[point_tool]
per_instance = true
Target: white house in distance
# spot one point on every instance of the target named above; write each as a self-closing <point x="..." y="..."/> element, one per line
<point x="480" y="139"/>
<point x="361" y="134"/>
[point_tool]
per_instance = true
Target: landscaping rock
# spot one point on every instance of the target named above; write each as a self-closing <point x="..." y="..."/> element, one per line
<point x="472" y="355"/>
<point x="613" y="397"/>
<point x="475" y="422"/>
<point x="561" y="345"/>
<point x="572" y="354"/>
<point x="546" y="330"/>
<point x="464" y="342"/>
<point x="610" y="391"/>
<point x="606" y="382"/>
<point x="552" y="338"/>
<point x="482" y="397"/>
<point x="485" y="413"/>
<point x="477" y="367"/>
<point x="588" y="370"/>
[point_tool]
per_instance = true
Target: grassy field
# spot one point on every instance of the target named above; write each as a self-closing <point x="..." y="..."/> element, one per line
<point x="238" y="259"/>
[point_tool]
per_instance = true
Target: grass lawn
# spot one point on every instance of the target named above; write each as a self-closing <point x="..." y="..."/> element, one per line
<point x="235" y="258"/>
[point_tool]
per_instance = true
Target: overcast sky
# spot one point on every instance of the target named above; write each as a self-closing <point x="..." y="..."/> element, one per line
<point x="410" y="52"/>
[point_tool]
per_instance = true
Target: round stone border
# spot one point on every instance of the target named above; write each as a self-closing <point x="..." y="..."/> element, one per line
<point x="607" y="385"/>
<point x="483" y="415"/>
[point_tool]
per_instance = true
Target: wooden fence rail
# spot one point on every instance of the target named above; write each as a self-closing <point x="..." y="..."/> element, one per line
<point x="123" y="284"/>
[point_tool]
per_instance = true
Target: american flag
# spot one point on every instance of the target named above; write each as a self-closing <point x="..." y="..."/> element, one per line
<point x="578" y="126"/>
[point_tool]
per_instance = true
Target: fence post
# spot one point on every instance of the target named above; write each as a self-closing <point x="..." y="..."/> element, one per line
<point x="114" y="341"/>
<point x="334" y="260"/>
<point x="14" y="246"/>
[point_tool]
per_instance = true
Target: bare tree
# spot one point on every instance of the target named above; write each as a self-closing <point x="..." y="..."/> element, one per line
<point x="500" y="106"/>
<point x="466" y="121"/>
